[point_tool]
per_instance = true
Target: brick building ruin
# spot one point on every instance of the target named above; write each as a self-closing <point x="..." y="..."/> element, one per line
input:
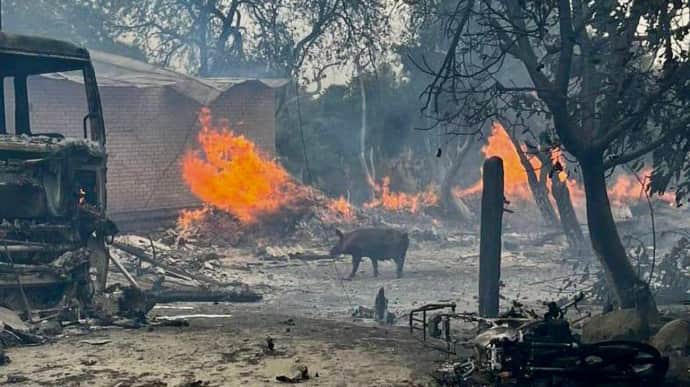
<point x="151" y="119"/>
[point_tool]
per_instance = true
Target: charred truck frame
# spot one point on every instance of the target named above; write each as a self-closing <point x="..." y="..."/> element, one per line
<point x="53" y="226"/>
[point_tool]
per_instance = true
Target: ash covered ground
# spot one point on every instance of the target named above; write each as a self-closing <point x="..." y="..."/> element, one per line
<point x="309" y="311"/>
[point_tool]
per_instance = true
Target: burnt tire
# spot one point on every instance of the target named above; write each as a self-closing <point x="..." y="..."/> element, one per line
<point x="630" y="361"/>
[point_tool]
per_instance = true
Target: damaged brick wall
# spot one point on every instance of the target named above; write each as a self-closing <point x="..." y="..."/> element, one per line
<point x="250" y="107"/>
<point x="148" y="131"/>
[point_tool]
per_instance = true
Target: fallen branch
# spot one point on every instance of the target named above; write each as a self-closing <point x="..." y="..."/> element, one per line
<point x="167" y="296"/>
<point x="312" y="257"/>
<point x="144" y="256"/>
<point x="124" y="271"/>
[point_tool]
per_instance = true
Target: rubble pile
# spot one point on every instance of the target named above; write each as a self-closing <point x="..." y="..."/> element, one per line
<point x="310" y="217"/>
<point x="312" y="222"/>
<point x="159" y="267"/>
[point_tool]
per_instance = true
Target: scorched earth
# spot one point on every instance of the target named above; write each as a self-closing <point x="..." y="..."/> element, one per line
<point x="307" y="312"/>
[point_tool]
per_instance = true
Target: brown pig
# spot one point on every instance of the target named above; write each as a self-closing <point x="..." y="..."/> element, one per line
<point x="375" y="243"/>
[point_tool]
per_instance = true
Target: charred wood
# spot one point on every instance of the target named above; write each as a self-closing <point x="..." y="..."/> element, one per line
<point x="144" y="256"/>
<point x="242" y="295"/>
<point x="490" y="237"/>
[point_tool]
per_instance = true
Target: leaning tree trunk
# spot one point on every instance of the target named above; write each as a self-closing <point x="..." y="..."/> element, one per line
<point x="630" y="290"/>
<point x="539" y="192"/>
<point x="453" y="206"/>
<point x="569" y="222"/>
<point x="564" y="204"/>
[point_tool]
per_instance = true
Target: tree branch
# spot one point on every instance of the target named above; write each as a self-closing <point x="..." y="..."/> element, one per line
<point x="637" y="153"/>
<point x="567" y="42"/>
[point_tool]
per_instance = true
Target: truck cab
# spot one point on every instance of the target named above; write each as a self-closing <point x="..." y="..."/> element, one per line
<point x="53" y="224"/>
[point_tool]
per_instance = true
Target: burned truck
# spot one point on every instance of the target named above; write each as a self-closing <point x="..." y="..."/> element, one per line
<point x="53" y="227"/>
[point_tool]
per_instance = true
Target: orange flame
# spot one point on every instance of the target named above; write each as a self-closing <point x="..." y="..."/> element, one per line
<point x="400" y="201"/>
<point x="341" y="209"/>
<point x="515" y="178"/>
<point x="230" y="173"/>
<point x="188" y="218"/>
<point x="625" y="190"/>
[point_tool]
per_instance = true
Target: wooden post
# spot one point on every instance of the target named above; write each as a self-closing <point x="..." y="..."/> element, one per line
<point x="490" y="236"/>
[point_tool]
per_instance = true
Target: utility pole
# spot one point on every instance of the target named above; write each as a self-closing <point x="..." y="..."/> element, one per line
<point x="0" y="15"/>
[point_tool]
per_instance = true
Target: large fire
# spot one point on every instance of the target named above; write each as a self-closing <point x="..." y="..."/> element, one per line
<point x="625" y="189"/>
<point x="401" y="201"/>
<point x="515" y="177"/>
<point x="231" y="174"/>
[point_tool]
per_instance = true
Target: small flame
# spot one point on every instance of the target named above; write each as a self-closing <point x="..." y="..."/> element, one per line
<point x="82" y="196"/>
<point x="188" y="218"/>
<point x="230" y="173"/>
<point x="400" y="201"/>
<point x="341" y="209"/>
<point x="627" y="189"/>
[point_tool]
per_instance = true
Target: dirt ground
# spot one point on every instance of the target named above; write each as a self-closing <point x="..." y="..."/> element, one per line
<point x="228" y="352"/>
<point x="307" y="310"/>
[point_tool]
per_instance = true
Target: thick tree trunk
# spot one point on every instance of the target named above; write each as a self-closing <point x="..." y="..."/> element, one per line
<point x="453" y="206"/>
<point x="628" y="288"/>
<point x="541" y="196"/>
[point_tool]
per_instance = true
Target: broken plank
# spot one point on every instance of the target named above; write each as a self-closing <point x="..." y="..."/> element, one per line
<point x="124" y="271"/>
<point x="143" y="255"/>
<point x="168" y="296"/>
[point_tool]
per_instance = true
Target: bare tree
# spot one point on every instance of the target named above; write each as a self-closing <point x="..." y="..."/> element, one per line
<point x="537" y="185"/>
<point x="601" y="74"/>
<point x="220" y="37"/>
<point x="452" y="205"/>
<point x="551" y="171"/>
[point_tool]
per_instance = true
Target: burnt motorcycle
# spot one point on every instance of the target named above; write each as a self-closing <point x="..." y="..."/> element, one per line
<point x="521" y="348"/>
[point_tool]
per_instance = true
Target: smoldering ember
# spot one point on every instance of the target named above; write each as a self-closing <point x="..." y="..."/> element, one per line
<point x="344" y="193"/>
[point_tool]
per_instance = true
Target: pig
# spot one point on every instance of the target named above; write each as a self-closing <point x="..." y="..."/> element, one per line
<point x="375" y="243"/>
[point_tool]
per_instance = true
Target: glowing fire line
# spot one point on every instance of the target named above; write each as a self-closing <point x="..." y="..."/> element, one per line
<point x="401" y="201"/>
<point x="623" y="191"/>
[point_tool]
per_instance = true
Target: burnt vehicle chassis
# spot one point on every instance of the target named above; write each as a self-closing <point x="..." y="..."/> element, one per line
<point x="521" y="348"/>
<point x="53" y="226"/>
